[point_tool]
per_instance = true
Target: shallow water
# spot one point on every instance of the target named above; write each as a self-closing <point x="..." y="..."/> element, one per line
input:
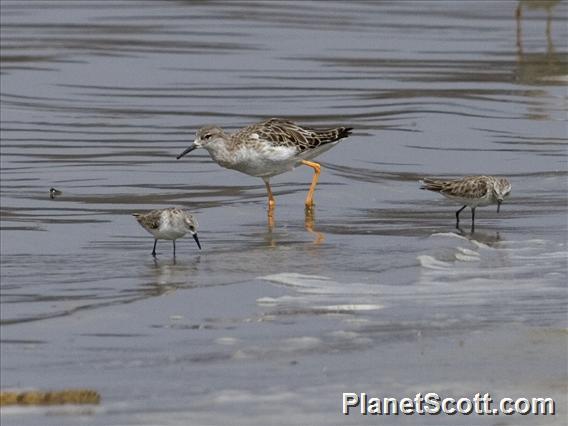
<point x="377" y="292"/>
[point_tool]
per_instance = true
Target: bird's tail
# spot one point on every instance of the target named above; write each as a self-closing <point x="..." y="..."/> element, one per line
<point x="332" y="135"/>
<point x="432" y="184"/>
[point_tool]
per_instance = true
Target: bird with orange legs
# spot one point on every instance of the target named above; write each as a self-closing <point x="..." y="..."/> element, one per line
<point x="269" y="148"/>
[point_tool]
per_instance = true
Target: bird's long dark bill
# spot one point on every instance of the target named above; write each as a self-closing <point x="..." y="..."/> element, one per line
<point x="197" y="241"/>
<point x="187" y="151"/>
<point x="498" y="207"/>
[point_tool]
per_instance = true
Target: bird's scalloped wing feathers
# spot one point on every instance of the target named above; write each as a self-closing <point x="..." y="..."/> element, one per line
<point x="154" y="223"/>
<point x="285" y="133"/>
<point x="476" y="186"/>
<point x="151" y="219"/>
<point x="468" y="187"/>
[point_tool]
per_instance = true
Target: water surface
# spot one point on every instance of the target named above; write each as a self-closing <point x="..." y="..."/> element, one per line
<point x="377" y="292"/>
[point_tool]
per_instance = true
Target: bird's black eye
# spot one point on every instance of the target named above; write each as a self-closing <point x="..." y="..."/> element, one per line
<point x="206" y="136"/>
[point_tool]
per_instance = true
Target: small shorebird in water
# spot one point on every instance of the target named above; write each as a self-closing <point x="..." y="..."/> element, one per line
<point x="471" y="191"/>
<point x="269" y="148"/>
<point x="168" y="224"/>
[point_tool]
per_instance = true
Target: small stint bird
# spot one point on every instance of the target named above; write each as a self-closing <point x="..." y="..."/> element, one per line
<point x="269" y="148"/>
<point x="54" y="193"/>
<point x="472" y="191"/>
<point x="168" y="224"/>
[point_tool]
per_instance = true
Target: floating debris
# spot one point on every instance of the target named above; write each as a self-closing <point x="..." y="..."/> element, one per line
<point x="54" y="193"/>
<point x="35" y="397"/>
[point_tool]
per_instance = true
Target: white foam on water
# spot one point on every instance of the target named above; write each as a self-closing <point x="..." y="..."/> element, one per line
<point x="317" y="295"/>
<point x="354" y="307"/>
<point x="479" y="244"/>
<point x="268" y="301"/>
<point x="457" y="279"/>
<point x="467" y="251"/>
<point x="466" y="255"/>
<point x="430" y="262"/>
<point x="449" y="234"/>
<point x="510" y="279"/>
<point x="317" y="284"/>
<point x="463" y="258"/>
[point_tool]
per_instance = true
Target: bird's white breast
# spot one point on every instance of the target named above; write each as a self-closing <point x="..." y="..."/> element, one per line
<point x="263" y="159"/>
<point x="171" y="227"/>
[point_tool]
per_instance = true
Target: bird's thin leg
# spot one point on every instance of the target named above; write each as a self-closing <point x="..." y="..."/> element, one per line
<point x="472" y="219"/>
<point x="271" y="200"/>
<point x="154" y="249"/>
<point x="174" y="247"/>
<point x="317" y="170"/>
<point x="458" y="216"/>
<point x="271" y="204"/>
